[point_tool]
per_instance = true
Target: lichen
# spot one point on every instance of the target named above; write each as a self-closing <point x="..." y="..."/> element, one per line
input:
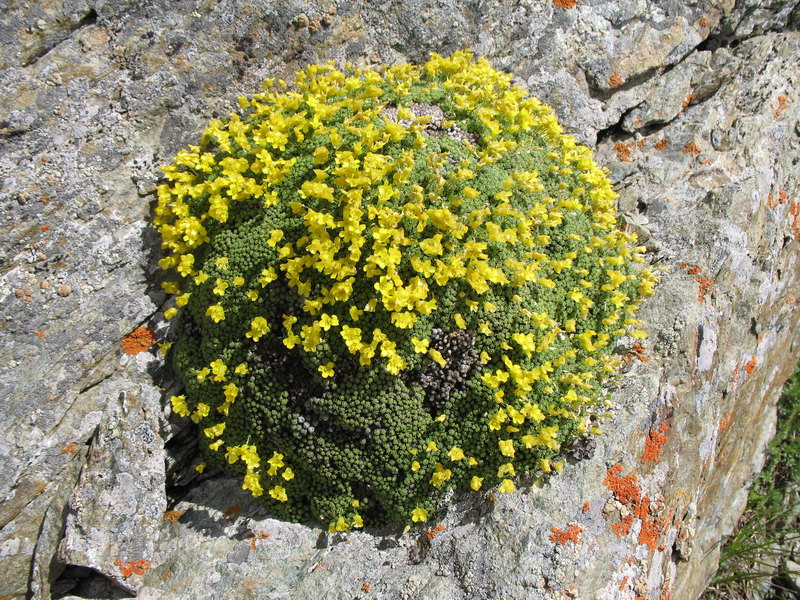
<point x="392" y="284"/>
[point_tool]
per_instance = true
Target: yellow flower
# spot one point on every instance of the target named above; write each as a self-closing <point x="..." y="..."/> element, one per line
<point x="216" y="312"/>
<point x="419" y="515"/>
<point x="279" y="493"/>
<point x="476" y="483"/>
<point x="179" y="405"/>
<point x="420" y="346"/>
<point x="215" y="430"/>
<point x="321" y="155"/>
<point x="437" y="357"/>
<point x="201" y="467"/>
<point x="183" y="299"/>
<point x="275" y="236"/>
<point x="252" y="483"/>
<point x="440" y="475"/>
<point x="506" y="469"/>
<point x="456" y="453"/>
<point x="170" y="312"/>
<point x="326" y="370"/>
<point x="506" y="448"/>
<point x="219" y="369"/>
<point x="258" y="328"/>
<point x="275" y="463"/>
<point x="201" y="412"/>
<point x="507" y="487"/>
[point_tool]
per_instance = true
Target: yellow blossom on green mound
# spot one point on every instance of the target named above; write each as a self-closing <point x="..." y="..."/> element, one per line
<point x="394" y="283"/>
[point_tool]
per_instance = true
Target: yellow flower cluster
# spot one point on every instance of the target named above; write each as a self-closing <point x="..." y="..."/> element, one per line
<point x="374" y="231"/>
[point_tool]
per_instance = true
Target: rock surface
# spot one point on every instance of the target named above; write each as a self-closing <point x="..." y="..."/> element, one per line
<point x="692" y="105"/>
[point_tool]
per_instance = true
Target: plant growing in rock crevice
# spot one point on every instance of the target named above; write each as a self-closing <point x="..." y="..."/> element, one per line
<point x="394" y="283"/>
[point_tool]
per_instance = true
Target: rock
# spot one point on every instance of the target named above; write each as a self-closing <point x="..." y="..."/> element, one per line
<point x="117" y="508"/>
<point x="95" y="96"/>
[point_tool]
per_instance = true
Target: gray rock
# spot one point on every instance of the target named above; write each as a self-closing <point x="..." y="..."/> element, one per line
<point x="117" y="508"/>
<point x="93" y="96"/>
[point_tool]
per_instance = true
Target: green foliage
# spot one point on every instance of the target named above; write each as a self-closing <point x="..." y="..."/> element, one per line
<point x="394" y="284"/>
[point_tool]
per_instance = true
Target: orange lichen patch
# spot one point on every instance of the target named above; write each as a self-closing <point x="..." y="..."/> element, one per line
<point x="232" y="511"/>
<point x="624" y="583"/>
<point x="781" y="199"/>
<point x="794" y="211"/>
<point x="693" y="149"/>
<point x="694" y="270"/>
<point x="432" y="533"/>
<point x="39" y="334"/>
<point x="319" y="566"/>
<point x="660" y="145"/>
<point x="45" y="227"/>
<point x="749" y="367"/>
<point x="641" y="143"/>
<point x="655" y="443"/>
<point x="648" y="534"/>
<point x="623" y="151"/>
<point x="703" y="22"/>
<point x="366" y="587"/>
<point x="666" y="594"/>
<point x="167" y="575"/>
<point x="262" y="535"/>
<point x="132" y="567"/>
<point x="564" y="4"/>
<point x="139" y="340"/>
<point x="623" y="528"/>
<point x="726" y="420"/>
<point x="561" y="536"/>
<point x="782" y="105"/>
<point x="625" y="489"/>
<point x="69" y="449"/>
<point x="615" y="80"/>
<point x="172" y="516"/>
<point x="586" y="507"/>
<point x="705" y="285"/>
<point x="638" y="350"/>
<point x="642" y="597"/>
<point x="687" y="101"/>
